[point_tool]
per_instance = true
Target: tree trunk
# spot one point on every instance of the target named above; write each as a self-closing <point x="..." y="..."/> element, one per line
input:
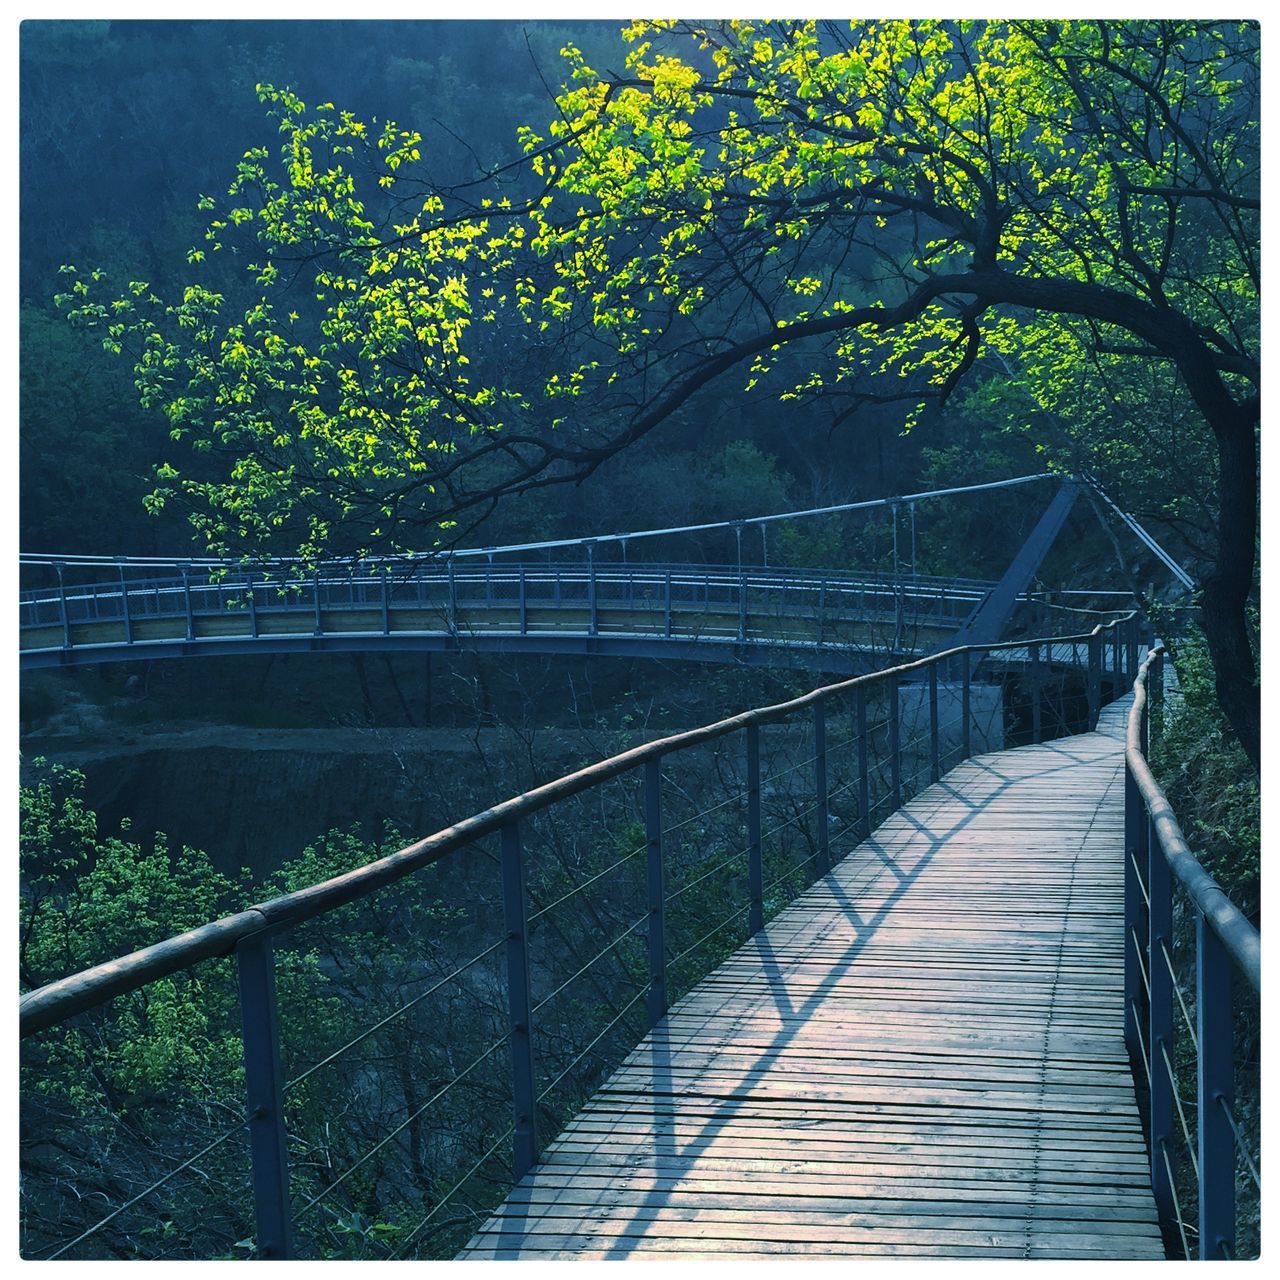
<point x="1227" y="590"/>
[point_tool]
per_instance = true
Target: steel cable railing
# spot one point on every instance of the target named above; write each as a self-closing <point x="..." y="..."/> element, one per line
<point x="795" y="848"/>
<point x="1159" y="865"/>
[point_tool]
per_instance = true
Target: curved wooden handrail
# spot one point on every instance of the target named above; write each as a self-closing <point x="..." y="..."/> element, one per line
<point x="1240" y="938"/>
<point x="57" y="1001"/>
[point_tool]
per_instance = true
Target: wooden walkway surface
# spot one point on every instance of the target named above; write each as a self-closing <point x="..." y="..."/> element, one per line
<point x="921" y="1057"/>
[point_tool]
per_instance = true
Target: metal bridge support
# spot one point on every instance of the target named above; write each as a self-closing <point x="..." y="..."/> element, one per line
<point x="1215" y="1093"/>
<point x="264" y="1090"/>
<point x="519" y="1006"/>
<point x="657" y="894"/>
<point x="1095" y="679"/>
<point x="1136" y="830"/>
<point x="524" y="604"/>
<point x="820" y="786"/>
<point x="593" y="627"/>
<point x="1037" y="727"/>
<point x="666" y="605"/>
<point x="966" y="733"/>
<point x="895" y="745"/>
<point x="62" y="608"/>
<point x="755" y="851"/>
<point x="864" y="770"/>
<point x="124" y="607"/>
<point x="1160" y="1038"/>
<point x="935" y="764"/>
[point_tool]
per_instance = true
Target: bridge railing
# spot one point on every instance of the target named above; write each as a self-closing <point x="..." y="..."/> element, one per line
<point x="1179" y="1037"/>
<point x="82" y="614"/>
<point x="668" y="855"/>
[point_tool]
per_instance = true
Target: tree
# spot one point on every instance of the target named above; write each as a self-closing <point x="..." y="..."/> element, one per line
<point x="846" y="217"/>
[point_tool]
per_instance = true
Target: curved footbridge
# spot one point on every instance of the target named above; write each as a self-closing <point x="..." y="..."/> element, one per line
<point x="923" y="1056"/>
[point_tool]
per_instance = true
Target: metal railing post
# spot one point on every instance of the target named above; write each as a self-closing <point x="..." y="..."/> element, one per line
<point x="935" y="763"/>
<point x="1094" y="683"/>
<point x="1131" y="654"/>
<point x="264" y="1095"/>
<point x="755" y="851"/>
<point x="451" y="608"/>
<point x="657" y="896"/>
<point x="820" y="785"/>
<point x="1136" y="853"/>
<point x="386" y="599"/>
<point x="186" y="598"/>
<point x="62" y="609"/>
<point x="822" y="609"/>
<point x="1160" y="1036"/>
<point x="895" y="745"/>
<point x="519" y="1006"/>
<point x="742" y="603"/>
<point x="1037" y="727"/>
<point x="124" y="606"/>
<point x="524" y="604"/>
<point x="593" y="627"/>
<point x="666" y="605"/>
<point x="1155" y="687"/>
<point x="1215" y="1089"/>
<point x="315" y="588"/>
<point x="864" y="767"/>
<point x="966" y="714"/>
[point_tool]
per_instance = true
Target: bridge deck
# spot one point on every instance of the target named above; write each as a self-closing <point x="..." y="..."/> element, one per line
<point x="922" y="1056"/>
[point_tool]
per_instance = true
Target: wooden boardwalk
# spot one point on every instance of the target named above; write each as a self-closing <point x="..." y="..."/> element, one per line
<point x="921" y="1057"/>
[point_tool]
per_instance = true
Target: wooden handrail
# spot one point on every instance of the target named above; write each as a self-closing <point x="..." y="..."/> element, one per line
<point x="57" y="1001"/>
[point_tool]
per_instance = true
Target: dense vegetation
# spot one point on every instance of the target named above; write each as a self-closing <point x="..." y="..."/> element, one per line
<point x="333" y="294"/>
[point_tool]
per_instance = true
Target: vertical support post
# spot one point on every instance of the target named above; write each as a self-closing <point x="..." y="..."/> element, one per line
<point x="593" y="626"/>
<point x="451" y="615"/>
<point x="1131" y="649"/>
<point x="488" y="580"/>
<point x="820" y="785"/>
<point x="966" y="741"/>
<point x="524" y="604"/>
<point x="935" y="762"/>
<point x="895" y="745"/>
<point x="1160" y="1038"/>
<point x="666" y="604"/>
<point x="253" y="608"/>
<point x="264" y="1096"/>
<point x="657" y="894"/>
<point x="124" y="607"/>
<point x="1115" y="643"/>
<point x="1037" y="727"/>
<point x="1155" y="688"/>
<point x="524" y="1101"/>
<point x="386" y="599"/>
<point x="1094" y="683"/>
<point x="62" y="609"/>
<point x="186" y="599"/>
<point x="315" y="589"/>
<point x="1215" y="1089"/>
<point x="864" y="770"/>
<point x="822" y="608"/>
<point x="755" y="851"/>
<point x="1136" y="831"/>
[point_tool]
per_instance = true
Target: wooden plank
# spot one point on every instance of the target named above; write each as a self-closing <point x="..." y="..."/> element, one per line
<point x="921" y="1057"/>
